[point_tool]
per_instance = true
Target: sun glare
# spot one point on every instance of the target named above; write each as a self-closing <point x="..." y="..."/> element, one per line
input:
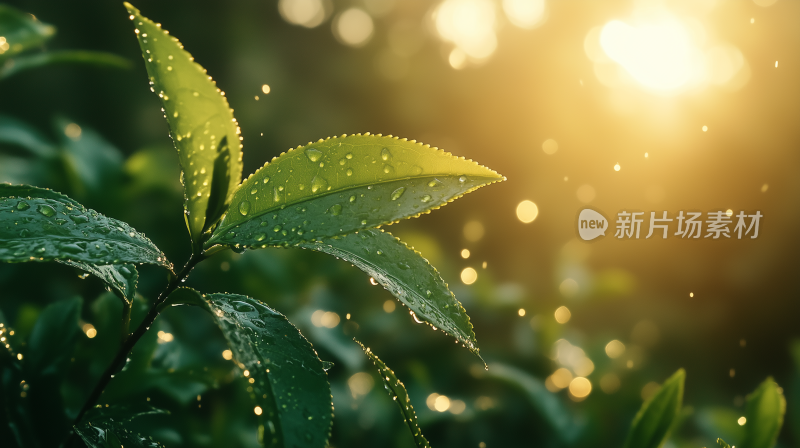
<point x="658" y="55"/>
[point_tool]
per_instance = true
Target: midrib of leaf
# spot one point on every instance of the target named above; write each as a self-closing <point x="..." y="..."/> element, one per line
<point x="381" y="167"/>
<point x="197" y="113"/>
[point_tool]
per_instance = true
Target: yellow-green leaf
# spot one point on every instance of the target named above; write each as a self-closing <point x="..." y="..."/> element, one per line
<point x="199" y="118"/>
<point x="657" y="417"/>
<point x="397" y="390"/>
<point x="765" y="409"/>
<point x="21" y="32"/>
<point x="344" y="184"/>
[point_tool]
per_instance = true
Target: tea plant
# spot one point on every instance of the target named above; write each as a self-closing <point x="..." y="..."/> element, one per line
<point x="329" y="196"/>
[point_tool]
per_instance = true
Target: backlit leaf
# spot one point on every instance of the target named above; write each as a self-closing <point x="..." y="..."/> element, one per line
<point x="397" y="390"/>
<point x="288" y="380"/>
<point x="199" y="119"/>
<point x="343" y="184"/>
<point x="765" y="409"/>
<point x="407" y="275"/>
<point x="656" y="418"/>
<point x="21" y="31"/>
<point x="37" y="224"/>
<point x="722" y="444"/>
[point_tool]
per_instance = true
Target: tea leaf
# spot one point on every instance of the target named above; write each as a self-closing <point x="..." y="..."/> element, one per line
<point x="199" y="119"/>
<point x="399" y="394"/>
<point x="122" y="277"/>
<point x="722" y="444"/>
<point x="112" y="434"/>
<point x="656" y="418"/>
<point x="289" y="383"/>
<point x="93" y="58"/>
<point x="341" y="185"/>
<point x="765" y="409"/>
<point x="407" y="275"/>
<point x="21" y="31"/>
<point x="37" y="224"/>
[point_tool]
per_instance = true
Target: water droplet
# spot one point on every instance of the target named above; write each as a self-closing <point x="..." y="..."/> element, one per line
<point x="266" y="179"/>
<point x="83" y="276"/>
<point x="244" y="208"/>
<point x="388" y="169"/>
<point x="385" y="154"/>
<point x="363" y="222"/>
<point x="342" y="161"/>
<point x="260" y="237"/>
<point x="318" y="184"/>
<point x="426" y="198"/>
<point x="254" y="190"/>
<point x="349" y="172"/>
<point x="46" y="210"/>
<point x="336" y="209"/>
<point x="348" y="156"/>
<point x="22" y="205"/>
<point x="243" y="307"/>
<point x="397" y="193"/>
<point x="24" y="233"/>
<point x="435" y="183"/>
<point x="276" y="229"/>
<point x="277" y="196"/>
<point x="353" y="198"/>
<point x="416" y="170"/>
<point x="462" y="179"/>
<point x="313" y="154"/>
<point x="378" y="252"/>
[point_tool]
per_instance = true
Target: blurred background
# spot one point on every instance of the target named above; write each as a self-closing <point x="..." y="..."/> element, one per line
<point x="619" y="105"/>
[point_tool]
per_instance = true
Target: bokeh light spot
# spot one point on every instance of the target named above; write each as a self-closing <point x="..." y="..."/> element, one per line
<point x="562" y="315"/>
<point x="353" y="27"/>
<point x="527" y="211"/>
<point x="550" y="146"/>
<point x="469" y="276"/>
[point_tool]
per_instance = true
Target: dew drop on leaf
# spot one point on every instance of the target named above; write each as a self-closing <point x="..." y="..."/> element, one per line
<point x="318" y="184"/>
<point x="22" y="205"/>
<point x="336" y="209"/>
<point x="46" y="210"/>
<point x="385" y="154"/>
<point x="426" y="198"/>
<point x="349" y="172"/>
<point x="260" y="237"/>
<point x="396" y="194"/>
<point x="313" y="154"/>
<point x="244" y="208"/>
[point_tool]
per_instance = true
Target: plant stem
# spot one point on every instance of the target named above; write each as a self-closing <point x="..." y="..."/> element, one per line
<point x="130" y="341"/>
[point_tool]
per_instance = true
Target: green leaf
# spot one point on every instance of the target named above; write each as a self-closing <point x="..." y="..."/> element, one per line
<point x="120" y="413"/>
<point x="21" y="31"/>
<point x="112" y="434"/>
<point x="122" y="277"/>
<point x="407" y="275"/>
<point x="53" y="338"/>
<point x="397" y="390"/>
<point x="341" y="185"/>
<point x="655" y="420"/>
<point x="290" y="384"/>
<point x="722" y="444"/>
<point x="765" y="409"/>
<point x="93" y="58"/>
<point x="547" y="404"/>
<point x="199" y="120"/>
<point x="37" y="224"/>
<point x="23" y="135"/>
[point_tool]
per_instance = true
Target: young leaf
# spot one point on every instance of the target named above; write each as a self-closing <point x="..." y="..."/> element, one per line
<point x="765" y="409"/>
<point x="408" y="276"/>
<point x="94" y="58"/>
<point x="397" y="390"/>
<point x="548" y="405"/>
<point x="654" y="421"/>
<point x="289" y="383"/>
<point x="21" y="31"/>
<point x="341" y="185"/>
<point x="722" y="444"/>
<point x="122" y="277"/>
<point x="199" y="119"/>
<point x="112" y="434"/>
<point x="37" y="224"/>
